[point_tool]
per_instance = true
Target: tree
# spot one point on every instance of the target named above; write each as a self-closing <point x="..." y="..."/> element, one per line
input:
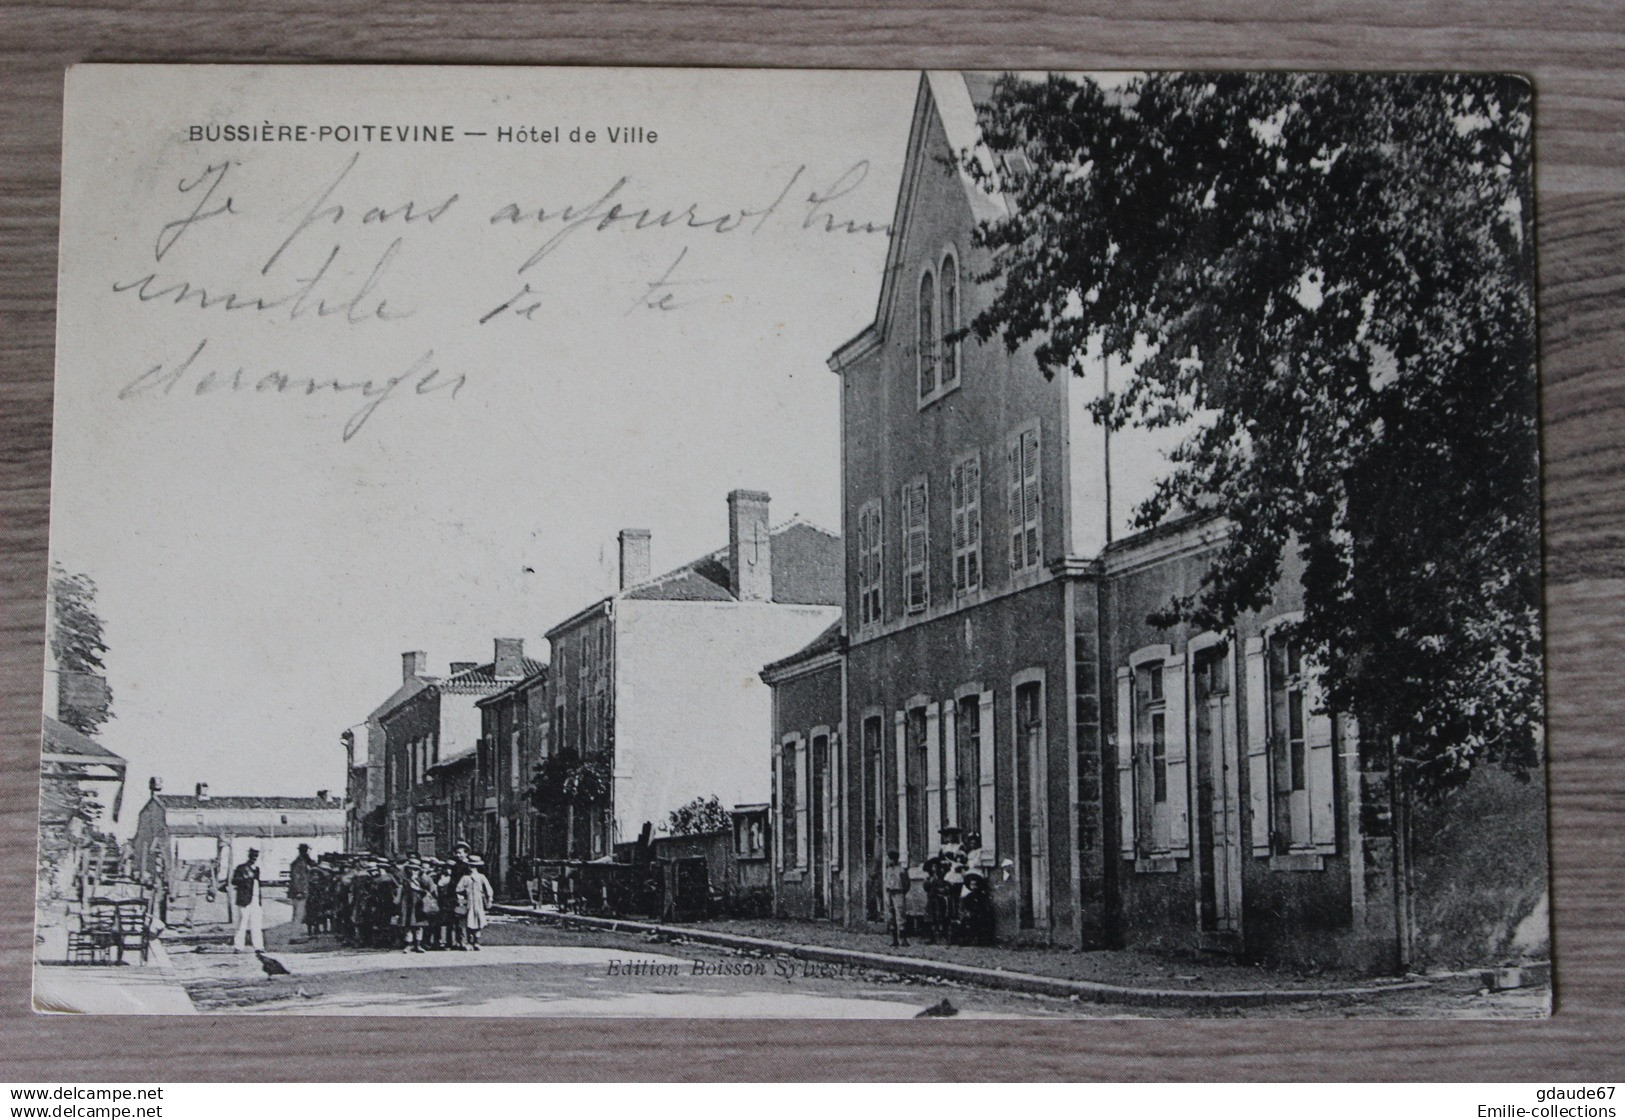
<point x="1326" y="282"/>
<point x="78" y="645"/>
<point x="701" y="816"/>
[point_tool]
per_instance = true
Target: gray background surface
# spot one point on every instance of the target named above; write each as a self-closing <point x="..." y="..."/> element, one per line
<point x="1574" y="51"/>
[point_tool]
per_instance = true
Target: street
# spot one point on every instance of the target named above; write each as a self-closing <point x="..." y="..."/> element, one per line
<point x="534" y="970"/>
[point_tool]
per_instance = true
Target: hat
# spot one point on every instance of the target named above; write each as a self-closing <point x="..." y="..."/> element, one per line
<point x="948" y="830"/>
<point x="474" y="861"/>
<point x="304" y="847"/>
<point x="252" y="852"/>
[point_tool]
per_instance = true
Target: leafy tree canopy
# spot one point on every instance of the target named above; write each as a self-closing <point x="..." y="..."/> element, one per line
<point x="700" y="816"/>
<point x="1326" y="282"/>
<point x="78" y="645"/>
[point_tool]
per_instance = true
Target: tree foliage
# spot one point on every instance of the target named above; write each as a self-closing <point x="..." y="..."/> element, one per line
<point x="78" y="645"/>
<point x="569" y="778"/>
<point x="1326" y="283"/>
<point x="701" y="816"/>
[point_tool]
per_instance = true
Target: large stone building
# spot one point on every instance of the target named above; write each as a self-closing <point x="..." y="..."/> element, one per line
<point x="1132" y="785"/>
<point x="658" y="683"/>
<point x="433" y="724"/>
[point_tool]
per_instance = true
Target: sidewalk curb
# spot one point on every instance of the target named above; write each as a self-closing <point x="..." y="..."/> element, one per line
<point x="1089" y="990"/>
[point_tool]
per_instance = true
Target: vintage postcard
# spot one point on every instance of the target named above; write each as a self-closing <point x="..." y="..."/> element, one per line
<point x="795" y="544"/>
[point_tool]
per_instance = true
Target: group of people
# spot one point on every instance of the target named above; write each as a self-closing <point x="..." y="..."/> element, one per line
<point x="415" y="904"/>
<point x="958" y="903"/>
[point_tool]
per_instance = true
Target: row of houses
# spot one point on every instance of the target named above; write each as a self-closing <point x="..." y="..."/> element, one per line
<point x="974" y="649"/>
<point x="650" y="699"/>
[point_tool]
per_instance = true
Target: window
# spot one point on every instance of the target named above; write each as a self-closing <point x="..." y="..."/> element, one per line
<point x="925" y="350"/>
<point x="1151" y="749"/>
<point x="965" y="485"/>
<point x="915" y="835"/>
<point x="869" y="581"/>
<point x="968" y="763"/>
<point x="950" y="321"/>
<point x="1300" y="747"/>
<point x="789" y="800"/>
<point x="1025" y="504"/>
<point x="916" y="540"/>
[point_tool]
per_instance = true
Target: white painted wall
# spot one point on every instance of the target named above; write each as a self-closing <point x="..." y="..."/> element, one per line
<point x="692" y="716"/>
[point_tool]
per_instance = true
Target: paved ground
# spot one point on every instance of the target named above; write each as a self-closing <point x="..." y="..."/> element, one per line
<point x="534" y="970"/>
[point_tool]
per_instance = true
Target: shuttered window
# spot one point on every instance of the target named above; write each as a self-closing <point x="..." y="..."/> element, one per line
<point x="1025" y="500"/>
<point x="965" y="484"/>
<point x="868" y="563"/>
<point x="1300" y="753"/>
<point x="1153" y="789"/>
<point x="916" y="541"/>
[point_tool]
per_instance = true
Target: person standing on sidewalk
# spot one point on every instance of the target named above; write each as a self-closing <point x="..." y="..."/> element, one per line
<point x="299" y="886"/>
<point x="896" y="879"/>
<point x="245" y="886"/>
<point x="474" y="897"/>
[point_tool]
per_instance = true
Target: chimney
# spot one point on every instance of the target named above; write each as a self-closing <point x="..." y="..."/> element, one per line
<point x="750" y="548"/>
<point x="463" y="666"/>
<point x="413" y="664"/>
<point x="203" y="791"/>
<point x="634" y="557"/>
<point x="510" y="658"/>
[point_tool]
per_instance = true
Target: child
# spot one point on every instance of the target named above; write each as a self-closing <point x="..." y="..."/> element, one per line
<point x="896" y="879"/>
<point x="473" y="898"/>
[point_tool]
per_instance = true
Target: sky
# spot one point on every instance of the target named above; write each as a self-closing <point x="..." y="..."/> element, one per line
<point x="539" y="379"/>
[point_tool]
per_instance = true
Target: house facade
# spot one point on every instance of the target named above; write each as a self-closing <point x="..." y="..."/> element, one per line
<point x="366" y="754"/>
<point x="437" y="723"/>
<point x="1129" y="785"/>
<point x="656" y="688"/>
<point x="809" y="877"/>
<point x="513" y="739"/>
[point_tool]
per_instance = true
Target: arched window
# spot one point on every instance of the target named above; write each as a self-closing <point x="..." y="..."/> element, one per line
<point x="926" y="350"/>
<point x="950" y="320"/>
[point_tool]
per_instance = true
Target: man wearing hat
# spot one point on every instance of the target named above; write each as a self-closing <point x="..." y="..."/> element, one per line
<point x="299" y="884"/>
<point x="245" y="885"/>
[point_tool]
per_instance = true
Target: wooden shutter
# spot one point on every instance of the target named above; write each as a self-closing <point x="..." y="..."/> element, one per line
<point x="1029" y="484"/>
<point x="902" y="787"/>
<point x="1319" y="755"/>
<point x="1125" y="762"/>
<point x="1258" y="761"/>
<point x="1179" y="810"/>
<point x="933" y="780"/>
<point x="956" y="499"/>
<point x="803" y="749"/>
<point x="776" y="803"/>
<point x="950" y="763"/>
<point x="837" y="772"/>
<point x="1018" y="536"/>
<point x="916" y="591"/>
<point x="973" y="522"/>
<point x="990" y="812"/>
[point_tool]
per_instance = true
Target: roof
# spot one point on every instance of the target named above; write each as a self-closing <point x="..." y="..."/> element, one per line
<point x="827" y="642"/>
<point x="400" y="696"/>
<point x="952" y="99"/>
<point x="483" y="678"/>
<point x="188" y="801"/>
<point x="60" y="739"/>
<point x="530" y="680"/>
<point x="451" y="761"/>
<point x="807" y="569"/>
